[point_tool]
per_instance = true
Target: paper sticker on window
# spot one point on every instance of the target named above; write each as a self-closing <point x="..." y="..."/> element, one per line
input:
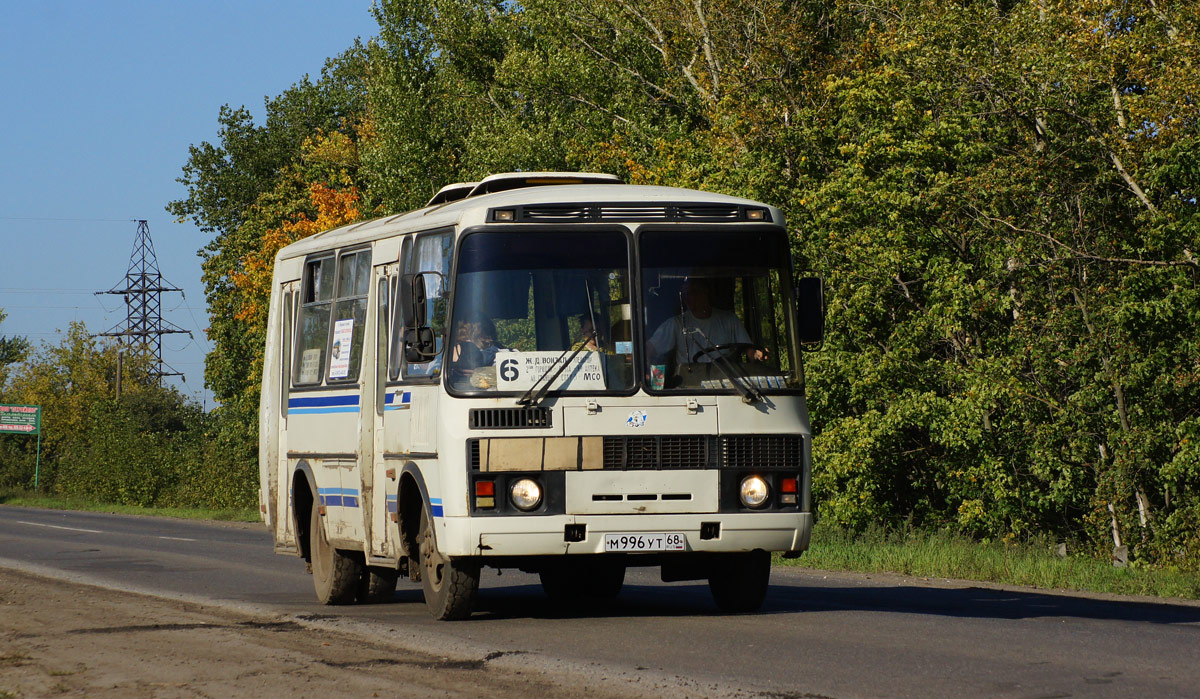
<point x="339" y="357"/>
<point x="310" y="365"/>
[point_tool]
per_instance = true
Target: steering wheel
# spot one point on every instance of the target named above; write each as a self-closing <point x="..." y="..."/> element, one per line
<point x="739" y="346"/>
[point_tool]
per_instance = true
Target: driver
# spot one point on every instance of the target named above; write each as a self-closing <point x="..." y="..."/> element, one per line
<point x="720" y="326"/>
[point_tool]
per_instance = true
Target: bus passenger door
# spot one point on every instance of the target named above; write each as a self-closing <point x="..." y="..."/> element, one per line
<point x="285" y="534"/>
<point x="384" y="479"/>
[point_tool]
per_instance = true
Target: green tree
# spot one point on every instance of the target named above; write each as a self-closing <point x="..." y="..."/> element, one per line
<point x="1001" y="197"/>
<point x="12" y="350"/>
<point x="255" y="179"/>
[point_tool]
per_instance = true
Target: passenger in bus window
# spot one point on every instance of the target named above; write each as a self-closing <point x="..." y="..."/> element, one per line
<point x="677" y="337"/>
<point x="588" y="341"/>
<point x="474" y="347"/>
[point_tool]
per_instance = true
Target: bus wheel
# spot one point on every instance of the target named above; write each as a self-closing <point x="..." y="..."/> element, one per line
<point x="378" y="585"/>
<point x="336" y="576"/>
<point x="739" y="582"/>
<point x="450" y="585"/>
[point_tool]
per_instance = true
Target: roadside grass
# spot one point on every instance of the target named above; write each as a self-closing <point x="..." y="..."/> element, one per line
<point x="28" y="499"/>
<point x="940" y="554"/>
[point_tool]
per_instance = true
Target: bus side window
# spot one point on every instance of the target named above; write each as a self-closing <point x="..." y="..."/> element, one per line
<point x="350" y="315"/>
<point x="433" y="252"/>
<point x="316" y="297"/>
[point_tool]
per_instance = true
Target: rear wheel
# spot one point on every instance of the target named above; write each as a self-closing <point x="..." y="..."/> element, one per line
<point x="450" y="585"/>
<point x="739" y="583"/>
<point x="336" y="575"/>
<point x="378" y="585"/>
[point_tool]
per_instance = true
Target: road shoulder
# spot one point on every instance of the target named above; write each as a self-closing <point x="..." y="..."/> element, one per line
<point x="60" y="637"/>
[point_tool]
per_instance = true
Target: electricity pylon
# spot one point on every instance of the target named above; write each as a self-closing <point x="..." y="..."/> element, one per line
<point x="142" y="288"/>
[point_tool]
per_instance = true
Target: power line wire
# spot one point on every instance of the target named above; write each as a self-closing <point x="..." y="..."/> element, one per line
<point x="78" y="220"/>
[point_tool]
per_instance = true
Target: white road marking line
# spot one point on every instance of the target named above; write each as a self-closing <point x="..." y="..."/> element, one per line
<point x="176" y="538"/>
<point x="54" y="526"/>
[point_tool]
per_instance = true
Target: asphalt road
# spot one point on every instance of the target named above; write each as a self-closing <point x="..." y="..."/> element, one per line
<point x="819" y="634"/>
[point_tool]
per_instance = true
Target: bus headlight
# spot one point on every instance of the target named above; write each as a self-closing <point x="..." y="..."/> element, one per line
<point x="753" y="492"/>
<point x="525" y="494"/>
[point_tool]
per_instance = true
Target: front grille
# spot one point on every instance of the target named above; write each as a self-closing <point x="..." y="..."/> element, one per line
<point x="708" y="213"/>
<point x="743" y="452"/>
<point x="762" y="451"/>
<point x="666" y="452"/>
<point x="555" y="213"/>
<point x="631" y="212"/>
<point x="509" y="418"/>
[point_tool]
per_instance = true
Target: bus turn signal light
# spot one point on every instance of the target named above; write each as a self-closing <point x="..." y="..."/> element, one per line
<point x="787" y="491"/>
<point x="485" y="495"/>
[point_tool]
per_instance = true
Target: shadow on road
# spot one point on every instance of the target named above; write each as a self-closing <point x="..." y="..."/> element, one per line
<point x="974" y="602"/>
<point x="528" y="601"/>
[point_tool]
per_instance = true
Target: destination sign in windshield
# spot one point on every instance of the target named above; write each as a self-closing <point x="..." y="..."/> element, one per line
<point x="517" y="371"/>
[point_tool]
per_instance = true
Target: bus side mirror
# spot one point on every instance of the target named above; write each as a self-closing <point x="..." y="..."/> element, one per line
<point x="810" y="312"/>
<point x="420" y="344"/>
<point x="412" y="299"/>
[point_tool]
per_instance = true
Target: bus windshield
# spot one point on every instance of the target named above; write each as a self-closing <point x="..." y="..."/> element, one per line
<point x="717" y="310"/>
<point x="523" y="300"/>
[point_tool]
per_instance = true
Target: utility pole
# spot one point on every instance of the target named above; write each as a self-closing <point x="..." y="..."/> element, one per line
<point x="142" y="288"/>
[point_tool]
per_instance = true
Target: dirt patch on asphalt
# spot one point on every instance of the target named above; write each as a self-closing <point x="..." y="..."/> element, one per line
<point x="62" y="638"/>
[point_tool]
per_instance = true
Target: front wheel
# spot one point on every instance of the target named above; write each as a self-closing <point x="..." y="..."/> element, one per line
<point x="739" y="582"/>
<point x="450" y="585"/>
<point x="336" y="576"/>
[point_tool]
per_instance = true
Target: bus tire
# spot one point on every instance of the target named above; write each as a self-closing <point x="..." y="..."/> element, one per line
<point x="606" y="582"/>
<point x="378" y="585"/>
<point x="450" y="585"/>
<point x="336" y="576"/>
<point x="739" y="581"/>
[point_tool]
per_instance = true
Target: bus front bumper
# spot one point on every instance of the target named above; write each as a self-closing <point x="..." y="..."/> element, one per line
<point x="549" y="535"/>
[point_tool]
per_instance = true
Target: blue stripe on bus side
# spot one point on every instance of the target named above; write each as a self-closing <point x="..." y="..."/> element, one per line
<point x="435" y="505"/>
<point x="321" y="411"/>
<point x="321" y="405"/>
<point x="398" y="400"/>
<point x="338" y="497"/>
<point x="315" y="401"/>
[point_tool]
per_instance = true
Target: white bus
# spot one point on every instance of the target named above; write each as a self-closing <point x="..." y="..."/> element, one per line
<point x="554" y="372"/>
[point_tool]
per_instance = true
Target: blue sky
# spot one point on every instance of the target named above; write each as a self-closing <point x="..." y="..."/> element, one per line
<point x="101" y="100"/>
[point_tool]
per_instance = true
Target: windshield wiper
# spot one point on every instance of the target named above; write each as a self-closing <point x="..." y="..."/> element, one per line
<point x="530" y="398"/>
<point x="741" y="383"/>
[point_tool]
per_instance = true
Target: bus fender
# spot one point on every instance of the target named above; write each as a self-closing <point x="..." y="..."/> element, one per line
<point x="412" y="495"/>
<point x="301" y="508"/>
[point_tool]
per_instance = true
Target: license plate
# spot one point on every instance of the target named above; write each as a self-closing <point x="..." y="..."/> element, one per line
<point x="658" y="541"/>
